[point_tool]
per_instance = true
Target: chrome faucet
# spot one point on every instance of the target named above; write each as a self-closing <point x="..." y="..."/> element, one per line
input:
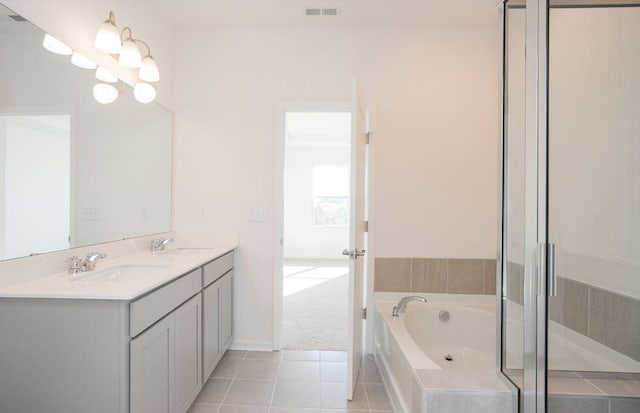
<point x="402" y="304"/>
<point x="159" y="244"/>
<point x="77" y="265"/>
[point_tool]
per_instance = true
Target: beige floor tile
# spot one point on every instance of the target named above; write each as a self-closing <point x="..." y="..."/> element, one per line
<point x="234" y="354"/>
<point x="227" y="368"/>
<point x="334" y="396"/>
<point x="213" y="391"/>
<point x="242" y="409"/>
<point x="333" y="356"/>
<point x="258" y="369"/>
<point x="301" y="355"/>
<point x="203" y="408"/>
<point x="250" y="393"/>
<point x="377" y="396"/>
<point x="296" y="394"/>
<point x="266" y="355"/>
<point x="292" y="410"/>
<point x="299" y="370"/>
<point x="333" y="371"/>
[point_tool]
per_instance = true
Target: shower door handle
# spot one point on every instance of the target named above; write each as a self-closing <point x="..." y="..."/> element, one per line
<point x="547" y="269"/>
<point x="553" y="275"/>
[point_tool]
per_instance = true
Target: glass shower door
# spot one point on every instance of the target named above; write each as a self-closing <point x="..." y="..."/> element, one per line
<point x="593" y="325"/>
<point x="513" y="195"/>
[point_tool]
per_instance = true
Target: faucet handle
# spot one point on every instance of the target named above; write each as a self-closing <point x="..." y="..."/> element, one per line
<point x="96" y="255"/>
<point x="75" y="264"/>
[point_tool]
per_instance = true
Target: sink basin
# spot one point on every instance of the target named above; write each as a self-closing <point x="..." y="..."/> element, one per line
<point x="118" y="273"/>
<point x="184" y="251"/>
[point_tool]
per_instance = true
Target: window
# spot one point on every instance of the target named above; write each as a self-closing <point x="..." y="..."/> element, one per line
<point x="330" y="195"/>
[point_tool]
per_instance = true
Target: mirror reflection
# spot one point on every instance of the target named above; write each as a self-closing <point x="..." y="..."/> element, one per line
<point x="74" y="172"/>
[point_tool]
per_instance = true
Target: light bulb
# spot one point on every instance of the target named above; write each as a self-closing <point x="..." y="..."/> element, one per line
<point x="130" y="54"/>
<point x="55" y="46"/>
<point x="105" y="75"/>
<point x="104" y="93"/>
<point x="82" y="61"/>
<point x="144" y="92"/>
<point x="108" y="36"/>
<point x="149" y="70"/>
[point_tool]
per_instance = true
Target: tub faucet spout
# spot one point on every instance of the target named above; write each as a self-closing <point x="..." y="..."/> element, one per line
<point x="402" y="304"/>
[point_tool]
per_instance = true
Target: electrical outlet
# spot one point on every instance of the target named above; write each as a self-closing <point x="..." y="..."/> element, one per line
<point x="91" y="214"/>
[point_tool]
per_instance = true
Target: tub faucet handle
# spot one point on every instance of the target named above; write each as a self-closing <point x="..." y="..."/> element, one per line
<point x="402" y="304"/>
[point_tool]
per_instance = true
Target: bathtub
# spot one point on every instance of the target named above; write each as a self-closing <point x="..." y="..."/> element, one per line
<point x="432" y="365"/>
<point x="435" y="366"/>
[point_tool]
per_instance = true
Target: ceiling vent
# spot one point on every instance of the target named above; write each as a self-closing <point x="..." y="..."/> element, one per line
<point x="321" y="12"/>
<point x="17" y="18"/>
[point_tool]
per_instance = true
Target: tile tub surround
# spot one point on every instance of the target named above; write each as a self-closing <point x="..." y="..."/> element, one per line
<point x="436" y="275"/>
<point x="290" y="381"/>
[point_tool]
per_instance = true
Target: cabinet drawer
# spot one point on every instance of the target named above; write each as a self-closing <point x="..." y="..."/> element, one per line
<point x="153" y="306"/>
<point x="215" y="269"/>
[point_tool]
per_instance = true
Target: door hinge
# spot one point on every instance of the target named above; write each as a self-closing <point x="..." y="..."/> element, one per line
<point x="366" y="226"/>
<point x="364" y="313"/>
<point x="367" y="138"/>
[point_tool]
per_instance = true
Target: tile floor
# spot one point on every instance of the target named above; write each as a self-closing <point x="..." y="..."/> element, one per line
<point x="289" y="381"/>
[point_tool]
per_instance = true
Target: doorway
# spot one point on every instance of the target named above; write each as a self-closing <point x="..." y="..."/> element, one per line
<point x="316" y="230"/>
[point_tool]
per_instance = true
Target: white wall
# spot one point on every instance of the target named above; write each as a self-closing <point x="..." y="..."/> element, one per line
<point x="75" y="22"/>
<point x="303" y="239"/>
<point x="437" y="95"/>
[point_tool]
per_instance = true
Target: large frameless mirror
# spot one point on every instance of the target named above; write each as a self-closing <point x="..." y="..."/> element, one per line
<point x="74" y="172"/>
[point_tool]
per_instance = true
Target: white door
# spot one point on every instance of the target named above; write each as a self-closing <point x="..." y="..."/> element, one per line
<point x="356" y="237"/>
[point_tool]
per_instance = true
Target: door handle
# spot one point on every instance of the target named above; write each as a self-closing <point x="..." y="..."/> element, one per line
<point x="354" y="253"/>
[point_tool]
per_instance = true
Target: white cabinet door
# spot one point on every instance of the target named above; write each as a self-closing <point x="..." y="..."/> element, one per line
<point x="226" y="310"/>
<point x="187" y="353"/>
<point x="152" y="369"/>
<point x="211" y="327"/>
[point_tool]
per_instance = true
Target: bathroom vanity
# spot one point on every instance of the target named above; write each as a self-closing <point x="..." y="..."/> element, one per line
<point x="139" y="335"/>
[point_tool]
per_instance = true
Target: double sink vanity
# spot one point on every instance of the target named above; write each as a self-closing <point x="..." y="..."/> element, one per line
<point x="140" y="333"/>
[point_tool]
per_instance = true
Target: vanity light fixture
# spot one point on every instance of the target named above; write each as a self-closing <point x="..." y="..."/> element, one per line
<point x="105" y="75"/>
<point x="82" y="61"/>
<point x="105" y="94"/>
<point x="56" y="46"/>
<point x="129" y="52"/>
<point x="144" y="92"/>
<point x="148" y="67"/>
<point x="108" y="36"/>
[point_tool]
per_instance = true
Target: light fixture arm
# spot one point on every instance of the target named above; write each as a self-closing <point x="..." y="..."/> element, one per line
<point x="111" y="19"/>
<point x="145" y="45"/>
<point x="130" y="34"/>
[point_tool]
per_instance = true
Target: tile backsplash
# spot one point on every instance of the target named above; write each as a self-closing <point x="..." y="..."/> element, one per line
<point x="436" y="275"/>
<point x="605" y="316"/>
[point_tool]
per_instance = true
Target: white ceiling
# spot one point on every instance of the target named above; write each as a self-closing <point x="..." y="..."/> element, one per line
<point x="351" y="13"/>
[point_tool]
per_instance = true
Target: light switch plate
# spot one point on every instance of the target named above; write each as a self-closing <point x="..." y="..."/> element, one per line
<point x="258" y="214"/>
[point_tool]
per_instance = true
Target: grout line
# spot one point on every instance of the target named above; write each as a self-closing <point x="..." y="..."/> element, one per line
<point x="275" y="383"/>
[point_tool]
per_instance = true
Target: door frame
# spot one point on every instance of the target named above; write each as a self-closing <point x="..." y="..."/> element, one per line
<point x="278" y="203"/>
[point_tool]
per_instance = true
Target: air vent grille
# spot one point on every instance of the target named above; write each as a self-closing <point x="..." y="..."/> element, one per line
<point x="17" y="18"/>
<point x="321" y="12"/>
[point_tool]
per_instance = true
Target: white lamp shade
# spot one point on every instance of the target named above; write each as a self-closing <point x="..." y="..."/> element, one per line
<point x="108" y="38"/>
<point x="149" y="70"/>
<point x="144" y="92"/>
<point x="130" y="55"/>
<point x="82" y="61"/>
<point x="105" y="75"/>
<point x="56" y="46"/>
<point x="104" y="93"/>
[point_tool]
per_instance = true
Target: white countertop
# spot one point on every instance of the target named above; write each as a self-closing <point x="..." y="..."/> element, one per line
<point x="156" y="269"/>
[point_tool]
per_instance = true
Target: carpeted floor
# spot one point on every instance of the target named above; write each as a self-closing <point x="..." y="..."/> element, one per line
<point x="315" y="305"/>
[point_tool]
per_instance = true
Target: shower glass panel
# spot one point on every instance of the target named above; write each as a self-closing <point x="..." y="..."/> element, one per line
<point x="512" y="294"/>
<point x="593" y="326"/>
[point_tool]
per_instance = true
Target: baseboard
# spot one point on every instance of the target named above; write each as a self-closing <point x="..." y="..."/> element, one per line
<point x="251" y="345"/>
